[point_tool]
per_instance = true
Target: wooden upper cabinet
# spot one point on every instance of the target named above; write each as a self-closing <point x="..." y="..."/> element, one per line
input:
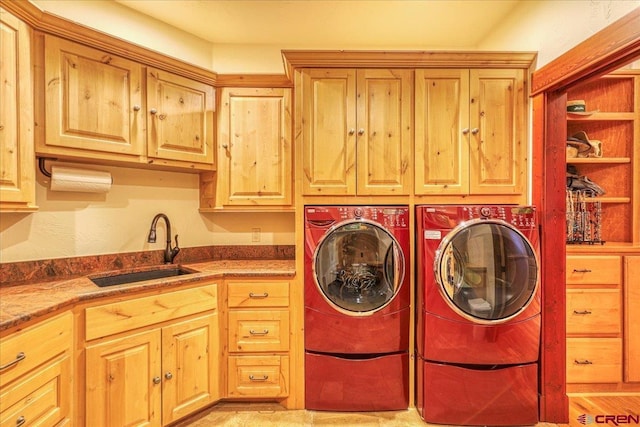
<point x="470" y="132"/>
<point x="254" y="147"/>
<point x="93" y="101"/>
<point x="329" y="131"/>
<point x="498" y="150"/>
<point x="384" y="131"/>
<point x="180" y="120"/>
<point x="17" y="162"/>
<point x="442" y="127"/>
<point x="357" y="131"/>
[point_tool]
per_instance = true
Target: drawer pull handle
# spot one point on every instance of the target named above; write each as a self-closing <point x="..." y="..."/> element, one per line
<point x="581" y="270"/>
<point x="581" y="312"/>
<point x="583" y="362"/>
<point x="264" y="378"/>
<point x="20" y="421"/>
<point x="258" y="296"/>
<point x="20" y="356"/>
<point x="264" y="332"/>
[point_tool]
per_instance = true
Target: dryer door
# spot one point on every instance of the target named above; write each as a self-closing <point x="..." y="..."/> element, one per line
<point x="359" y="267"/>
<point x="487" y="270"/>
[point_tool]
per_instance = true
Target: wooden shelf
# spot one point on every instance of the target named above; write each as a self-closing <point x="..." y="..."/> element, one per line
<point x="601" y="117"/>
<point x="598" y="160"/>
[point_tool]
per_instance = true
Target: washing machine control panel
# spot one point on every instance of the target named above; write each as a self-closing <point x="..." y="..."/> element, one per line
<point x="387" y="216"/>
<point x="518" y="216"/>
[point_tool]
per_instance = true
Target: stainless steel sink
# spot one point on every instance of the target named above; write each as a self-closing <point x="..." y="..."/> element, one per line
<point x="140" y="276"/>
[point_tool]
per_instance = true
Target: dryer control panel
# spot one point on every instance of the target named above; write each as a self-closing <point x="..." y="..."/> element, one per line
<point x="387" y="216"/>
<point x="518" y="216"/>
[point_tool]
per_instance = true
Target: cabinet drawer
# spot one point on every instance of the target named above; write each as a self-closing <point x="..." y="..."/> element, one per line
<point x="593" y="311"/>
<point x="594" y="360"/>
<point x="258" y="294"/>
<point x="40" y="399"/>
<point x="121" y="316"/>
<point x="258" y="376"/>
<point x="258" y="330"/>
<point x="25" y="350"/>
<point x="594" y="270"/>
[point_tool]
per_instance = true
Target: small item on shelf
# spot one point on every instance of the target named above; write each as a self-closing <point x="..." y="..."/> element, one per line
<point x="585" y="147"/>
<point x="584" y="218"/>
<point x="577" y="182"/>
<point x="579" y="106"/>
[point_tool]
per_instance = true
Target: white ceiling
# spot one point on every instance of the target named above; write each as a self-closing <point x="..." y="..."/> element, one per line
<point x="432" y="24"/>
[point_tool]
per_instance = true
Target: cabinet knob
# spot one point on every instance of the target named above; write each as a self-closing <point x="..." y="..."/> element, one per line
<point x="153" y="111"/>
<point x="465" y="131"/>
<point x="352" y="131"/>
<point x="157" y="380"/>
<point x="168" y="375"/>
<point x="475" y="131"/>
<point x="20" y="421"/>
<point x="360" y="131"/>
<point x="136" y="108"/>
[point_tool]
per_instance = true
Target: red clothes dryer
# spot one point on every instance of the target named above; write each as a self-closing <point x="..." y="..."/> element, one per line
<point x="478" y="314"/>
<point x="357" y="308"/>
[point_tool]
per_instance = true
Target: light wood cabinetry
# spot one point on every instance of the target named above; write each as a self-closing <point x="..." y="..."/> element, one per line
<point x="254" y="141"/>
<point x="17" y="162"/>
<point x="152" y="360"/>
<point x="471" y="133"/>
<point x="357" y="133"/>
<point x="602" y="351"/>
<point x="258" y="339"/>
<point x="36" y="380"/>
<point x="97" y="106"/>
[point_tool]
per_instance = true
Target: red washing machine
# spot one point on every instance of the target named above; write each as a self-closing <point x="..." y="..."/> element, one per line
<point x="478" y="315"/>
<point x="357" y="308"/>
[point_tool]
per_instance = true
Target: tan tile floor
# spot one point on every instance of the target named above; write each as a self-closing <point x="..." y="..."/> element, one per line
<point x="271" y="415"/>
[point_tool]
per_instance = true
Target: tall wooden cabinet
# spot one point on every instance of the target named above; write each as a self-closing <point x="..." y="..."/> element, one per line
<point x="602" y="345"/>
<point x="357" y="131"/>
<point x="471" y="134"/>
<point x="254" y="151"/>
<point x="17" y="162"/>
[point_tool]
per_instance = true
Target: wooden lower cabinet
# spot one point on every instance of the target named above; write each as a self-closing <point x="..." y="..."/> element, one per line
<point x="36" y="380"/>
<point x="258" y="339"/>
<point x="161" y="371"/>
<point x="632" y="319"/>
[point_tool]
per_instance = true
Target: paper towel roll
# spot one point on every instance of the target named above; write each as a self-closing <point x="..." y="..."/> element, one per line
<point x="83" y="180"/>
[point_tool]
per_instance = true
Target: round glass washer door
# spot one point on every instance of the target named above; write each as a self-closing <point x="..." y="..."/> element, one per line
<point x="359" y="267"/>
<point x="487" y="271"/>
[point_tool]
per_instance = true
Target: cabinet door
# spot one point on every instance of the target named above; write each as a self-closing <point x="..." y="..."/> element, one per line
<point x="190" y="366"/>
<point x="93" y="101"/>
<point x="498" y="138"/>
<point x="384" y="120"/>
<point x="254" y="147"/>
<point x="180" y="119"/>
<point x="17" y="162"/>
<point x="329" y="131"/>
<point x="123" y="381"/>
<point x="632" y="318"/>
<point x="442" y="132"/>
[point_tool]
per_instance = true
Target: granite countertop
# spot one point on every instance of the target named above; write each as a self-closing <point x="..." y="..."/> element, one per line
<point x="25" y="301"/>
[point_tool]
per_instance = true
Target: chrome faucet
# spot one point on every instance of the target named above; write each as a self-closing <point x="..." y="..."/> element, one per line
<point x="169" y="252"/>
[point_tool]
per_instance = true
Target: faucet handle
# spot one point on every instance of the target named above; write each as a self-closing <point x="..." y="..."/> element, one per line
<point x="177" y="242"/>
<point x="174" y="251"/>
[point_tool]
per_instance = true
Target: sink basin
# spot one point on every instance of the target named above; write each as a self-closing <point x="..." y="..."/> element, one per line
<point x="140" y="276"/>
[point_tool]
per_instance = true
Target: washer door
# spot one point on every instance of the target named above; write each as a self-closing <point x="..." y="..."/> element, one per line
<point x="487" y="270"/>
<point x="359" y="267"/>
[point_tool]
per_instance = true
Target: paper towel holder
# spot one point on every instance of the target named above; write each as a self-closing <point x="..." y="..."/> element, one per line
<point x="41" y="165"/>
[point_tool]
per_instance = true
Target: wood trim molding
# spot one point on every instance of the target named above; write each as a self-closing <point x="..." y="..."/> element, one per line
<point x="612" y="47"/>
<point x="403" y="59"/>
<point x="254" y="80"/>
<point x="48" y="23"/>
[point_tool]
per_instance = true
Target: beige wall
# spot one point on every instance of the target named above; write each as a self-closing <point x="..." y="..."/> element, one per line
<point x="76" y="224"/>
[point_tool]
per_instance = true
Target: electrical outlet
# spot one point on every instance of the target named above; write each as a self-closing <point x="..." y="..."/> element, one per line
<point x="255" y="234"/>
